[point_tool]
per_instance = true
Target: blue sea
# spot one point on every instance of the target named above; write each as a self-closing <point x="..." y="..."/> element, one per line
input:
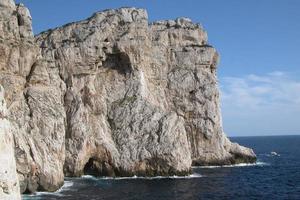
<point x="276" y="175"/>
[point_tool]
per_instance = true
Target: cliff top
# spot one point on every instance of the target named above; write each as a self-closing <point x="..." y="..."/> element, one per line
<point x="132" y="14"/>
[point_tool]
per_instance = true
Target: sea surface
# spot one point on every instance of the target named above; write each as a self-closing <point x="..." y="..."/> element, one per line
<point x="276" y="175"/>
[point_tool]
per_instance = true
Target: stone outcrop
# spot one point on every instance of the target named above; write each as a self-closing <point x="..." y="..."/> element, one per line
<point x="111" y="95"/>
<point x="35" y="109"/>
<point x="9" y="184"/>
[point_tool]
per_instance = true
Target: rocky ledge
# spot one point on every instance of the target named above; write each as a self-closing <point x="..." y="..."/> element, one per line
<point x="111" y="95"/>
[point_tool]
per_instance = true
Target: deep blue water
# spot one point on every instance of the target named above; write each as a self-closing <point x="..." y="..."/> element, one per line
<point x="274" y="177"/>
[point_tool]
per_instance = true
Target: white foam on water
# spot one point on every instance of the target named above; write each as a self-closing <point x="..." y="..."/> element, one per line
<point x="236" y="165"/>
<point x="89" y="177"/>
<point x="194" y="175"/>
<point x="65" y="187"/>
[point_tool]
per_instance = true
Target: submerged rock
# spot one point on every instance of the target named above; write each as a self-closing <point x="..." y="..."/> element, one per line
<point x="111" y="95"/>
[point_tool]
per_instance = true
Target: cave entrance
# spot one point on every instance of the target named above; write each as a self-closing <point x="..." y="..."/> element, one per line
<point x="96" y="167"/>
<point x="92" y="168"/>
<point x="119" y="62"/>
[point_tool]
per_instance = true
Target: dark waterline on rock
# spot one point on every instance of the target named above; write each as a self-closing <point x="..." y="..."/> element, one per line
<point x="275" y="176"/>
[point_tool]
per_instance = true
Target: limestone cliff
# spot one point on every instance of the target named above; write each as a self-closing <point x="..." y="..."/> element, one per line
<point x="35" y="111"/>
<point x="111" y="95"/>
<point x="9" y="184"/>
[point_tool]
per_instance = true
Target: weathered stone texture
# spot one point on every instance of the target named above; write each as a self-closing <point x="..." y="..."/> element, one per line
<point x="35" y="109"/>
<point x="111" y="95"/>
<point x="9" y="184"/>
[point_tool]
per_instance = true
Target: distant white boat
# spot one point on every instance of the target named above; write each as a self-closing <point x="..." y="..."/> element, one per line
<point x="273" y="153"/>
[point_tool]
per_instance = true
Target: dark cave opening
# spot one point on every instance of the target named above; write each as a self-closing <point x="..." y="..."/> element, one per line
<point x="119" y="62"/>
<point x="97" y="167"/>
<point x="92" y="167"/>
<point x="21" y="21"/>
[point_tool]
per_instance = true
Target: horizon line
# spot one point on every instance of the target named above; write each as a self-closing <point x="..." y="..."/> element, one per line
<point x="262" y="135"/>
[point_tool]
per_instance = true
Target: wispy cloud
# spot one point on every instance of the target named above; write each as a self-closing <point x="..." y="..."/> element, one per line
<point x="261" y="103"/>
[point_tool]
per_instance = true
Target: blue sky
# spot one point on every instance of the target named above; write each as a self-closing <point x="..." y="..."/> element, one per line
<point x="259" y="44"/>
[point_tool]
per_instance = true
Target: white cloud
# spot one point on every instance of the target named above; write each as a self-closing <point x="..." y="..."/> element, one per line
<point x="261" y="104"/>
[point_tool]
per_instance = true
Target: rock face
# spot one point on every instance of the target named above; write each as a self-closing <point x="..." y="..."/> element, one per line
<point x="9" y="184"/>
<point x="111" y="96"/>
<point x="118" y="118"/>
<point x="35" y="109"/>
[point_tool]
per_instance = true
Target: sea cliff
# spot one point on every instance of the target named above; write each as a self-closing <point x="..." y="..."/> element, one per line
<point x="112" y="95"/>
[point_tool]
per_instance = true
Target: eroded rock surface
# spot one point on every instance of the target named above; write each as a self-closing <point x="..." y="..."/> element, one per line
<point x="111" y="95"/>
<point x="9" y="184"/>
<point x="35" y="107"/>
